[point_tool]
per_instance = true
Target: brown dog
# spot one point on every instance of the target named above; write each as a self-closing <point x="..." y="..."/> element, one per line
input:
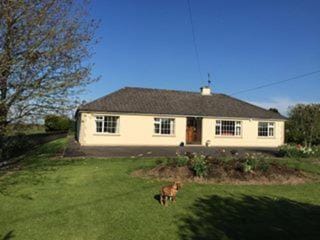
<point x="169" y="192"/>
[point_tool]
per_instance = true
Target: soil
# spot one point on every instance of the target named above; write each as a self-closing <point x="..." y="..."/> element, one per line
<point x="228" y="173"/>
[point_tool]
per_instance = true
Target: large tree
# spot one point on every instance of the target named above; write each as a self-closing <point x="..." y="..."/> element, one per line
<point x="303" y="125"/>
<point x="45" y="46"/>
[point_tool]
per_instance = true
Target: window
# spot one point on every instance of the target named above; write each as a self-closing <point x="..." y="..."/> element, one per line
<point x="228" y="128"/>
<point x="266" y="129"/>
<point x="164" y="126"/>
<point x="107" y="124"/>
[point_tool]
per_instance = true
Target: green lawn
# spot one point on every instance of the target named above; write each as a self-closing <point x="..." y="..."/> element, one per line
<point x="54" y="198"/>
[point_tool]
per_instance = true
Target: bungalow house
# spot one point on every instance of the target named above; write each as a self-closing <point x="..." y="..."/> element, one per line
<point x="142" y="116"/>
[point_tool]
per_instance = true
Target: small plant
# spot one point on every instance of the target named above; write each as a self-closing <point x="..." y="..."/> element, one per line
<point x="251" y="162"/>
<point x="182" y="160"/>
<point x="247" y="167"/>
<point x="199" y="165"/>
<point x="263" y="166"/>
<point x="178" y="161"/>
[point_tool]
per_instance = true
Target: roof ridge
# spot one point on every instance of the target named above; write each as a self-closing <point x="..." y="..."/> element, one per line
<point x="161" y="89"/>
<point x="167" y="90"/>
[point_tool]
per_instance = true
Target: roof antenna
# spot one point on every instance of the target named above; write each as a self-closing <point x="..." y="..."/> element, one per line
<point x="209" y="80"/>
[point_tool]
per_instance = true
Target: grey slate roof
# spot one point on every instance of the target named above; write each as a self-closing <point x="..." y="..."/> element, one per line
<point x="171" y="102"/>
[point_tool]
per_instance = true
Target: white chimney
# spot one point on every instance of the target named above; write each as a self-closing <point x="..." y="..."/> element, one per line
<point x="205" y="90"/>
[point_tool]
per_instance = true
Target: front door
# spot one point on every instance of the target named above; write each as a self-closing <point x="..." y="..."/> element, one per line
<point x="193" y="131"/>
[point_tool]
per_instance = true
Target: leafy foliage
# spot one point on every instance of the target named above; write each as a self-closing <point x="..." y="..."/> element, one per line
<point x="303" y="126"/>
<point x="298" y="151"/>
<point x="178" y="161"/>
<point x="182" y="160"/>
<point x="199" y="165"/>
<point x="14" y="146"/>
<point x="44" y="51"/>
<point x="263" y="166"/>
<point x="253" y="162"/>
<point x="55" y="123"/>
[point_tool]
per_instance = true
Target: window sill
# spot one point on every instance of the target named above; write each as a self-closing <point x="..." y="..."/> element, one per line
<point x="163" y="135"/>
<point x="106" y="134"/>
<point x="218" y="136"/>
<point x="261" y="137"/>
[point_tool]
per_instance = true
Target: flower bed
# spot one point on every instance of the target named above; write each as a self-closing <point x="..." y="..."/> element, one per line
<point x="246" y="169"/>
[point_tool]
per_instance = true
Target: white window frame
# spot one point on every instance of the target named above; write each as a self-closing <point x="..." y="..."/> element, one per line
<point x="270" y="125"/>
<point x="237" y="128"/>
<point x="104" y="129"/>
<point x="159" y="122"/>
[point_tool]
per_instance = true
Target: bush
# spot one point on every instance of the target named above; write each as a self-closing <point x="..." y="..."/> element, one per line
<point x="199" y="165"/>
<point x="14" y="146"/>
<point x="263" y="166"/>
<point x="248" y="166"/>
<point x="298" y="151"/>
<point x="55" y="123"/>
<point x="252" y="162"/>
<point x="182" y="160"/>
<point x="178" y="161"/>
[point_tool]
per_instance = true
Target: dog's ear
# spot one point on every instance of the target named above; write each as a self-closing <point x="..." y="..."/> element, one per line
<point x="178" y="184"/>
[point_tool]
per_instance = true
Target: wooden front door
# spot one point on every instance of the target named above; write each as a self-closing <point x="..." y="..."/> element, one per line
<point x="193" y="131"/>
<point x="191" y="134"/>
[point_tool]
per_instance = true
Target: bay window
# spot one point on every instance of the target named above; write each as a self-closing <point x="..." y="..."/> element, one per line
<point x="228" y="128"/>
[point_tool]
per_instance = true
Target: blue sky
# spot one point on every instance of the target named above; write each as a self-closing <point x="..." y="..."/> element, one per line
<point x="243" y="44"/>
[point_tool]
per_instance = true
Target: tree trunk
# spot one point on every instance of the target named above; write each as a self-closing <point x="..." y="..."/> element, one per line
<point x="5" y="65"/>
<point x="3" y="119"/>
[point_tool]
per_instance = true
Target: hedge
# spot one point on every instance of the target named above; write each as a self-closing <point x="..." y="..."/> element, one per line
<point x="14" y="146"/>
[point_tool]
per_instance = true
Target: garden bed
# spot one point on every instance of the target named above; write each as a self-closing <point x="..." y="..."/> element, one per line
<point x="244" y="170"/>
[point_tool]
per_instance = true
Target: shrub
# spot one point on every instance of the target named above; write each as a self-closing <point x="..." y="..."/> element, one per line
<point x="253" y="162"/>
<point x="199" y="165"/>
<point x="55" y="123"/>
<point x="178" y="161"/>
<point x="247" y="166"/>
<point x="298" y="151"/>
<point x="263" y="166"/>
<point x="13" y="146"/>
<point x="182" y="160"/>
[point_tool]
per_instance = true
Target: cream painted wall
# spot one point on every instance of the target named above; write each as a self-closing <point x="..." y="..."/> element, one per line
<point x="138" y="130"/>
<point x="133" y="130"/>
<point x="249" y="134"/>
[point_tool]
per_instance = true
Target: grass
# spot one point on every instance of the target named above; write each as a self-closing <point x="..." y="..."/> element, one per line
<point x="54" y="198"/>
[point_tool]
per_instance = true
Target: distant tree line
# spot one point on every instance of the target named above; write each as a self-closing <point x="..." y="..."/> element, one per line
<point x="56" y="123"/>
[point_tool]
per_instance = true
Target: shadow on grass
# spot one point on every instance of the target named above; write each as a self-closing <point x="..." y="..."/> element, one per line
<point x="249" y="217"/>
<point x="157" y="198"/>
<point x="35" y="168"/>
<point x="8" y="236"/>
